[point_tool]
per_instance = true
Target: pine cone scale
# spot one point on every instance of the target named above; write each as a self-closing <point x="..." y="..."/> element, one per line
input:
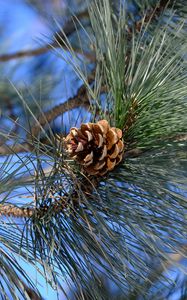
<point x="112" y="138"/>
<point x="89" y="135"/>
<point x="104" y="154"/>
<point x="79" y="147"/>
<point x="105" y="126"/>
<point x="99" y="165"/>
<point x="89" y="157"/>
<point x="120" y="146"/>
<point x="111" y="164"/>
<point x="115" y="152"/>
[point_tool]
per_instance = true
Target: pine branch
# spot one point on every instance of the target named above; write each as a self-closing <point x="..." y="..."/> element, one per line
<point x="60" y="203"/>
<point x="81" y="98"/>
<point x="137" y="201"/>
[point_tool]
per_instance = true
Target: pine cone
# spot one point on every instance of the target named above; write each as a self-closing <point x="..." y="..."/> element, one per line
<point x="96" y="146"/>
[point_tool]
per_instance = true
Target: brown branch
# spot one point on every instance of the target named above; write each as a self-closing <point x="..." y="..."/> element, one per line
<point x="41" y="50"/>
<point x="17" y="148"/>
<point x="20" y="54"/>
<point x="70" y="27"/>
<point x="44" y="119"/>
<point x="14" y="211"/>
<point x="80" y="99"/>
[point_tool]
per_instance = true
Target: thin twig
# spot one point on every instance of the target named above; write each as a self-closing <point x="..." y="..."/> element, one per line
<point x="80" y="99"/>
<point x="41" y="50"/>
<point x="14" y="211"/>
<point x="17" y="148"/>
<point x="60" y="203"/>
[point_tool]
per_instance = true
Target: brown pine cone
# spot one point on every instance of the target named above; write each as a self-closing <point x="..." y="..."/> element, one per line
<point x="96" y="146"/>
